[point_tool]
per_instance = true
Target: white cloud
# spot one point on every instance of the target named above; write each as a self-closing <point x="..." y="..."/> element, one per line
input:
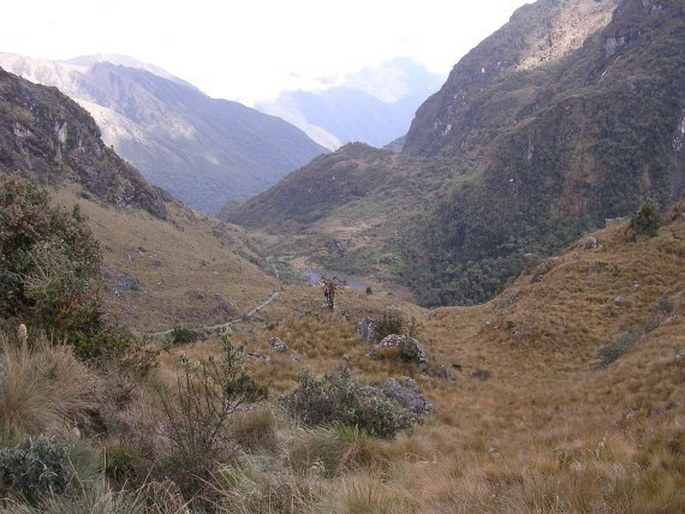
<point x="252" y="49"/>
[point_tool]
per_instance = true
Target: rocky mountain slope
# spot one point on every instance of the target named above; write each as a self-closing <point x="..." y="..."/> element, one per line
<point x="373" y="106"/>
<point x="163" y="264"/>
<point x="202" y="150"/>
<point x="46" y="135"/>
<point x="571" y="113"/>
<point x="555" y="149"/>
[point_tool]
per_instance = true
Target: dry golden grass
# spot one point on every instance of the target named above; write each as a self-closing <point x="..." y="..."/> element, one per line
<point x="524" y="422"/>
<point x="44" y="388"/>
<point x="546" y="432"/>
<point x="162" y="274"/>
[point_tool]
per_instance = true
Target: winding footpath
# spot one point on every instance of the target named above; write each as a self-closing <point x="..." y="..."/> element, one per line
<point x="214" y="328"/>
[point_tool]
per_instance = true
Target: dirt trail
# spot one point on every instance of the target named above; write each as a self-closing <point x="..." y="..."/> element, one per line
<point x="215" y="328"/>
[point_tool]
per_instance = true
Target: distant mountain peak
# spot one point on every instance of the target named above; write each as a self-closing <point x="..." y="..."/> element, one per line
<point x="374" y="104"/>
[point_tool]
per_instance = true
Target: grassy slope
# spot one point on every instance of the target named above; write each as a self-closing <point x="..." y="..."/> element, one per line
<point x="344" y="211"/>
<point x="548" y="431"/>
<point x="162" y="274"/>
<point x="545" y="431"/>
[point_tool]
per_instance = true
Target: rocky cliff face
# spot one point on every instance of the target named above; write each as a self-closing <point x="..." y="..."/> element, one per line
<point x="460" y="116"/>
<point x="46" y="135"/>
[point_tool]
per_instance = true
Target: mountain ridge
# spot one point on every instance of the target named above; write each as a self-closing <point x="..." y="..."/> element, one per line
<point x="373" y="106"/>
<point x="204" y="151"/>
<point x="532" y="155"/>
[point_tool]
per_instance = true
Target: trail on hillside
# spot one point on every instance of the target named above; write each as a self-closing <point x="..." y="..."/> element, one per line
<point x="209" y="329"/>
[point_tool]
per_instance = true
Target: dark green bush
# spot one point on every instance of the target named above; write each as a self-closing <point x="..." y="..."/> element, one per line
<point x="183" y="335"/>
<point x="335" y="398"/>
<point x="48" y="260"/>
<point x="646" y="220"/>
<point x="34" y="469"/>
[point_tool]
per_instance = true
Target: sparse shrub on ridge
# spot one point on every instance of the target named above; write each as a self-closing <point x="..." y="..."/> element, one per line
<point x="646" y="220"/>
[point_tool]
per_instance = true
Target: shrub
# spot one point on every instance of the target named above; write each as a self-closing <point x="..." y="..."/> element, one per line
<point x="183" y="335"/>
<point x="625" y="341"/>
<point x="646" y="220"/>
<point x="335" y="398"/>
<point x="393" y="321"/>
<point x="121" y="461"/>
<point x="48" y="259"/>
<point x="666" y="304"/>
<point x="197" y="419"/>
<point x="34" y="469"/>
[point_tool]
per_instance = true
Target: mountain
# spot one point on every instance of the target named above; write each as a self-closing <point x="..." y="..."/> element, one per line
<point x="571" y="113"/>
<point x="47" y="136"/>
<point x="373" y="105"/>
<point x="163" y="265"/>
<point x="202" y="150"/>
<point x="554" y="148"/>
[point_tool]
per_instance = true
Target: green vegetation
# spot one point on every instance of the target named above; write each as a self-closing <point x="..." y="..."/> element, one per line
<point x="49" y="259"/>
<point x="183" y="335"/>
<point x="646" y="220"/>
<point x="34" y="469"/>
<point x="208" y="393"/>
<point x="336" y="398"/>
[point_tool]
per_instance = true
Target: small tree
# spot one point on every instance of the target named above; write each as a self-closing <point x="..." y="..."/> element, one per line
<point x="646" y="220"/>
<point x="330" y="287"/>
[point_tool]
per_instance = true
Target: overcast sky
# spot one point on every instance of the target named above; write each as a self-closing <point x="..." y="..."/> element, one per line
<point x="251" y="49"/>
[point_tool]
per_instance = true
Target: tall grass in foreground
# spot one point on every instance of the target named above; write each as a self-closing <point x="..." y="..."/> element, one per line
<point x="45" y="388"/>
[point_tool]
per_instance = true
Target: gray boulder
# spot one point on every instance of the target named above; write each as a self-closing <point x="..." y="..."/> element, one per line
<point x="408" y="349"/>
<point x="366" y="329"/>
<point x="408" y="395"/>
<point x="278" y="345"/>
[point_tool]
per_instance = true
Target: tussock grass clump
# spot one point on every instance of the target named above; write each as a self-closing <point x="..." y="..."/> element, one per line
<point x="248" y="485"/>
<point x="255" y="429"/>
<point x="46" y="387"/>
<point x="331" y="451"/>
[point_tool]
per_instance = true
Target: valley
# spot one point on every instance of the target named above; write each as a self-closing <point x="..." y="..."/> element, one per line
<point x="507" y="334"/>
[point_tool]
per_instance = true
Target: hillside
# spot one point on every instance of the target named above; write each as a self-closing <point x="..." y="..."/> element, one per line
<point x="562" y="394"/>
<point x="345" y="211"/>
<point x="204" y="151"/>
<point x="163" y="264"/>
<point x="555" y="149"/>
<point x="49" y="137"/>
<point x="570" y="114"/>
<point x="373" y="106"/>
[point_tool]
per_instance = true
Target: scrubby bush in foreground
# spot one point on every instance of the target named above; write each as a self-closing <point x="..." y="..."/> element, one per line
<point x="34" y="469"/>
<point x="198" y="416"/>
<point x="335" y="398"/>
<point x="49" y="261"/>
